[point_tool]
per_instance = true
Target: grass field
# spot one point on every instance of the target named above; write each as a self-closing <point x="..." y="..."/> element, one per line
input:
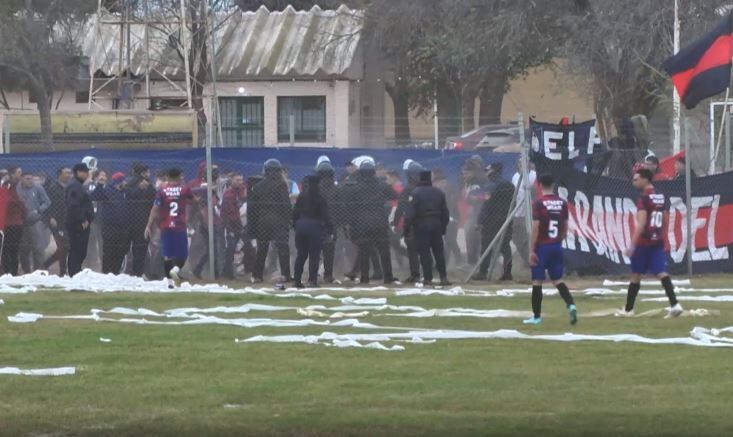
<point x="195" y="380"/>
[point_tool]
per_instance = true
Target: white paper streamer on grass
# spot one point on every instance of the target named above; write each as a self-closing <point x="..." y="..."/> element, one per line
<point x="57" y="371"/>
<point x="676" y="282"/>
<point x="703" y="298"/>
<point x="700" y="337"/>
<point x="200" y="319"/>
<point x="465" y="312"/>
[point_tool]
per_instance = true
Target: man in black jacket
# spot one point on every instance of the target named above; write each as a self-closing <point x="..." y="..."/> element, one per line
<point x="55" y="217"/>
<point x="140" y="198"/>
<point x="492" y="216"/>
<point x="364" y="202"/>
<point x="327" y="186"/>
<point x="427" y="218"/>
<point x="79" y="216"/>
<point x="412" y="171"/>
<point x="268" y="219"/>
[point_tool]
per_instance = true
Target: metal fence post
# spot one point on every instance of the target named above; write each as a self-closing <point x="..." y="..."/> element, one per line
<point x="210" y="193"/>
<point x="688" y="197"/>
<point x="527" y="182"/>
<point x="726" y="166"/>
<point x="291" y="120"/>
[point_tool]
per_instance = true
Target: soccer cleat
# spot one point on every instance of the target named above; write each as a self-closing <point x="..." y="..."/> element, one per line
<point x="299" y="285"/>
<point x="175" y="274"/>
<point x="533" y="321"/>
<point x="445" y="283"/>
<point x="573" y="312"/>
<point x="171" y="284"/>
<point x="674" y="311"/>
<point x="623" y="313"/>
<point x="311" y="285"/>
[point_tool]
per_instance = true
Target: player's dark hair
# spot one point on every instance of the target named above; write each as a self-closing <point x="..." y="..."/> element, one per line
<point x="61" y="170"/>
<point x="645" y="173"/>
<point x="547" y="180"/>
<point x="175" y="173"/>
<point x="12" y="169"/>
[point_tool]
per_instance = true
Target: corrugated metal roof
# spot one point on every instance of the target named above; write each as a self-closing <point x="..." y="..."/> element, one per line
<point x="261" y="44"/>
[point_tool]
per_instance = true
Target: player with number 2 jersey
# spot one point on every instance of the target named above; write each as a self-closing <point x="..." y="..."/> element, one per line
<point x="170" y="211"/>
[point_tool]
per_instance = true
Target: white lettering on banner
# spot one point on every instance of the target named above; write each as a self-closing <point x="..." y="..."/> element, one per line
<point x="609" y="225"/>
<point x="712" y="252"/>
<point x="593" y="140"/>
<point x="677" y="208"/>
<point x="550" y="144"/>
<point x="572" y="151"/>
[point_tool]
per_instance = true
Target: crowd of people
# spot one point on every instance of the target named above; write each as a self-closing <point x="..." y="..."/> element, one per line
<point x="354" y="223"/>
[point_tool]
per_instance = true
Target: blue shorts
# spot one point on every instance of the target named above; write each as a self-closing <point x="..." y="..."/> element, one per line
<point x="550" y="259"/>
<point x="649" y="259"/>
<point x="174" y="244"/>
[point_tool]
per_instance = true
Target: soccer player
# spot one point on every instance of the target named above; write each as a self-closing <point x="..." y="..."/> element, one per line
<point x="647" y="244"/>
<point x="549" y="227"/>
<point x="170" y="211"/>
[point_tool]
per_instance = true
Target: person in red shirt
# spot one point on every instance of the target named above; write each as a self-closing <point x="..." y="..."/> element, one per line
<point x="647" y="244"/>
<point x="15" y="213"/>
<point x="549" y="227"/>
<point x="169" y="210"/>
<point x="232" y="201"/>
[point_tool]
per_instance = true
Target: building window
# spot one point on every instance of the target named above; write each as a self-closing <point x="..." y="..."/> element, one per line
<point x="308" y="115"/>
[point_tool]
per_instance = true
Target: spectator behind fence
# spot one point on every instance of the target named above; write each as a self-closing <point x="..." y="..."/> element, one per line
<point x="494" y="212"/>
<point x="679" y="167"/>
<point x="36" y="201"/>
<point x="364" y="200"/>
<point x="234" y="198"/>
<point x="15" y="213"/>
<point x="206" y="193"/>
<point x="412" y="171"/>
<point x="268" y="219"/>
<point x="79" y="217"/>
<point x="313" y="226"/>
<point x="327" y="188"/>
<point x="55" y="218"/>
<point x="473" y="194"/>
<point x="140" y="198"/>
<point x="451" y="196"/>
<point x="113" y="215"/>
<point x="519" y="228"/>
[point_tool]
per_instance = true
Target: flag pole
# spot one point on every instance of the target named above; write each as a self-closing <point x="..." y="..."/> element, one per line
<point x="714" y="152"/>
<point x="675" y="95"/>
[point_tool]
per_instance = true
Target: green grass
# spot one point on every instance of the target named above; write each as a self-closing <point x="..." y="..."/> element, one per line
<point x="194" y="380"/>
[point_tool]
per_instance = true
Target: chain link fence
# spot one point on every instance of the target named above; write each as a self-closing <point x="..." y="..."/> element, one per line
<point x="485" y="182"/>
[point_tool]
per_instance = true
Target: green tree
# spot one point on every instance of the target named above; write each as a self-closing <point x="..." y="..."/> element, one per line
<point x="39" y="50"/>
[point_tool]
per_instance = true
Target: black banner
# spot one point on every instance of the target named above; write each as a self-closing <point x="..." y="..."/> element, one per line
<point x="562" y="142"/>
<point x="602" y="219"/>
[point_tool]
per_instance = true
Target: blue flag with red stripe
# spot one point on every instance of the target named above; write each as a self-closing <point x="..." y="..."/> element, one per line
<point x="702" y="69"/>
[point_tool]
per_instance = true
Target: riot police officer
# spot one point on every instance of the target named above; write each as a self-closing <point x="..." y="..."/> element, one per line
<point x="428" y="217"/>
<point x="364" y="200"/>
<point x="412" y="171"/>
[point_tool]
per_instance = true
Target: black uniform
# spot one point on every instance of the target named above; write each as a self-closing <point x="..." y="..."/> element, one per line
<point x="428" y="217"/>
<point x="268" y="219"/>
<point x="364" y="202"/>
<point x="79" y="209"/>
<point x="491" y="218"/>
<point x="140" y="198"/>
<point x="408" y="234"/>
<point x="57" y="211"/>
<point x="312" y="224"/>
<point x="328" y="191"/>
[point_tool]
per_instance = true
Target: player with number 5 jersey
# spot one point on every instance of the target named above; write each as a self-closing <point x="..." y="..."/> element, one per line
<point x="169" y="210"/>
<point x="647" y="244"/>
<point x="549" y="227"/>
